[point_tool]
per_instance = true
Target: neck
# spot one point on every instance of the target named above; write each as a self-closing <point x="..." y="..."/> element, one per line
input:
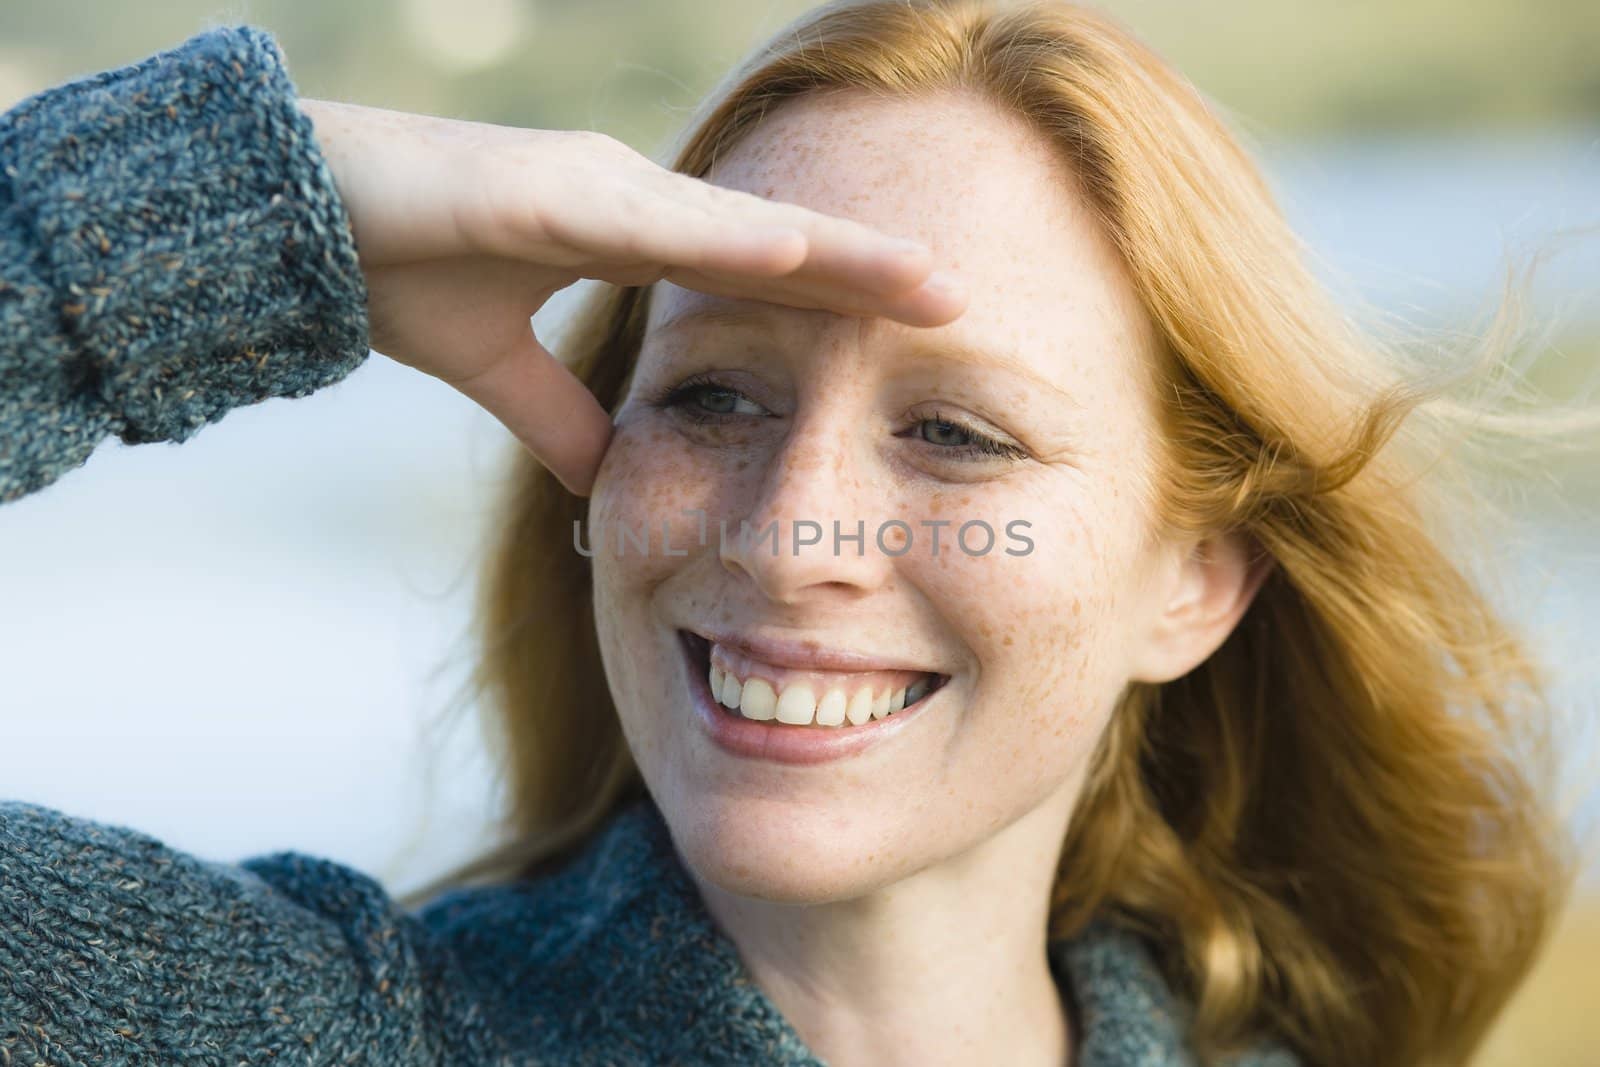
<point x="948" y="966"/>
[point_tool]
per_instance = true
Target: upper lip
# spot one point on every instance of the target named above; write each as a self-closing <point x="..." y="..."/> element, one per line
<point x="805" y="654"/>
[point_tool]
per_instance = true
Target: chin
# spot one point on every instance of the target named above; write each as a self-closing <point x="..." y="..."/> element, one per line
<point x="795" y="856"/>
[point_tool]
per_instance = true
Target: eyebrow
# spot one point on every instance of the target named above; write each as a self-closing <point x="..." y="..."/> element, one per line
<point x="746" y="316"/>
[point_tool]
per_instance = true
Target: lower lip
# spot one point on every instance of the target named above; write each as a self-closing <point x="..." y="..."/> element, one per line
<point x="780" y="742"/>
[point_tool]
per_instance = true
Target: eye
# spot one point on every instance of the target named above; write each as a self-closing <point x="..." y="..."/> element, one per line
<point x="702" y="398"/>
<point x="964" y="441"/>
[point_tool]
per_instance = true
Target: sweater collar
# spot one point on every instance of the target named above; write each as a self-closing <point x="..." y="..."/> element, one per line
<point x="659" y="966"/>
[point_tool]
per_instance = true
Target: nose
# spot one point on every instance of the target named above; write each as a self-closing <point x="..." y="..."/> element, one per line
<point x="812" y="532"/>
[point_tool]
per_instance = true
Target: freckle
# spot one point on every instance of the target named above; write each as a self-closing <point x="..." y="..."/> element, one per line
<point x="1007" y="643"/>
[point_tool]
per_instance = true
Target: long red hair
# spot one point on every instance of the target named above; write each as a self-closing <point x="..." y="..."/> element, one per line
<point x="1334" y="827"/>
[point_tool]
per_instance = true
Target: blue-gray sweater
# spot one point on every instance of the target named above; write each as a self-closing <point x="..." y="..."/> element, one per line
<point x="172" y="246"/>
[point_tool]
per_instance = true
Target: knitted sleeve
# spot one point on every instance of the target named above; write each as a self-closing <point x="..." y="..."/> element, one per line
<point x="172" y="245"/>
<point x="115" y="948"/>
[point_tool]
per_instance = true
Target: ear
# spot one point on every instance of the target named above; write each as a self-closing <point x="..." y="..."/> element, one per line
<point x="1202" y="593"/>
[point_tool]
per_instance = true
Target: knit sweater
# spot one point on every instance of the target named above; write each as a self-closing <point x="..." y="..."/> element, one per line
<point x="172" y="246"/>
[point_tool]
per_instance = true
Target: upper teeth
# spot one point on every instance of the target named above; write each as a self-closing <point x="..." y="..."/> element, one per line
<point x="855" y="698"/>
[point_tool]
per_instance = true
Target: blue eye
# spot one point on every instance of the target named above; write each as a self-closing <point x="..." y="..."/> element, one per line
<point x="701" y="398"/>
<point x="955" y="437"/>
<point x="712" y="400"/>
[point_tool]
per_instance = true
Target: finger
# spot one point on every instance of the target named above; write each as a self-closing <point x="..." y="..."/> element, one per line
<point x="850" y="254"/>
<point x="635" y="229"/>
<point x="553" y="414"/>
<point x="628" y="234"/>
<point x="930" y="304"/>
<point x="763" y="251"/>
<point x="759" y="252"/>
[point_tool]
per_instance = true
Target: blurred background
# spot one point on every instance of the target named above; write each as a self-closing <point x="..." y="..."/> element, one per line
<point x="252" y="642"/>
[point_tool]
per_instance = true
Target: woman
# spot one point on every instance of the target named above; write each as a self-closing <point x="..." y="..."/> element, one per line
<point x="1208" y="758"/>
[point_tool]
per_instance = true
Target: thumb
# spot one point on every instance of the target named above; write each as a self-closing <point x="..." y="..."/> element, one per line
<point x="553" y="414"/>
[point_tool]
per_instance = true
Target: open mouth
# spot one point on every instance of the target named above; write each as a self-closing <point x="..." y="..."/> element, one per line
<point x="745" y="688"/>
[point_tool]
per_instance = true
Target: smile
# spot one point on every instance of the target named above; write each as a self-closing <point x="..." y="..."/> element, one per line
<point x="797" y="712"/>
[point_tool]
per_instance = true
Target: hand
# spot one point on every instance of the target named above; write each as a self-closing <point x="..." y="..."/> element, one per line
<point x="465" y="229"/>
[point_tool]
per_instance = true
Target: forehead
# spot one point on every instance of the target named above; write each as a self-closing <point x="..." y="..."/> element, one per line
<point x="982" y="189"/>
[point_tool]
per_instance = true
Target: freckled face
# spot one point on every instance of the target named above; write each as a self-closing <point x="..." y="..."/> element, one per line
<point x="810" y="415"/>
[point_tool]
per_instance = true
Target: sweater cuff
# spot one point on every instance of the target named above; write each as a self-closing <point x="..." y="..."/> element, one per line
<point x="193" y="231"/>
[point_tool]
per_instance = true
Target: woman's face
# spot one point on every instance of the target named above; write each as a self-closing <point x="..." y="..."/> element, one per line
<point x="1031" y="413"/>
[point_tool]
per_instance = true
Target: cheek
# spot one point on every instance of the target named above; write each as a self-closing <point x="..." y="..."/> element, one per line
<point x="645" y="471"/>
<point x="646" y="480"/>
<point x="1045" y="627"/>
<point x="650" y="476"/>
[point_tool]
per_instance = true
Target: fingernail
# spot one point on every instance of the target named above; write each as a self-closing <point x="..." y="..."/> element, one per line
<point x="907" y="248"/>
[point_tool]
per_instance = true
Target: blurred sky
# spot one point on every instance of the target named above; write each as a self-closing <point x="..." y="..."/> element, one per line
<point x="235" y="644"/>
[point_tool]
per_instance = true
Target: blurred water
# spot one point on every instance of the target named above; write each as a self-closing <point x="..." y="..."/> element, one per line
<point x="233" y="644"/>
